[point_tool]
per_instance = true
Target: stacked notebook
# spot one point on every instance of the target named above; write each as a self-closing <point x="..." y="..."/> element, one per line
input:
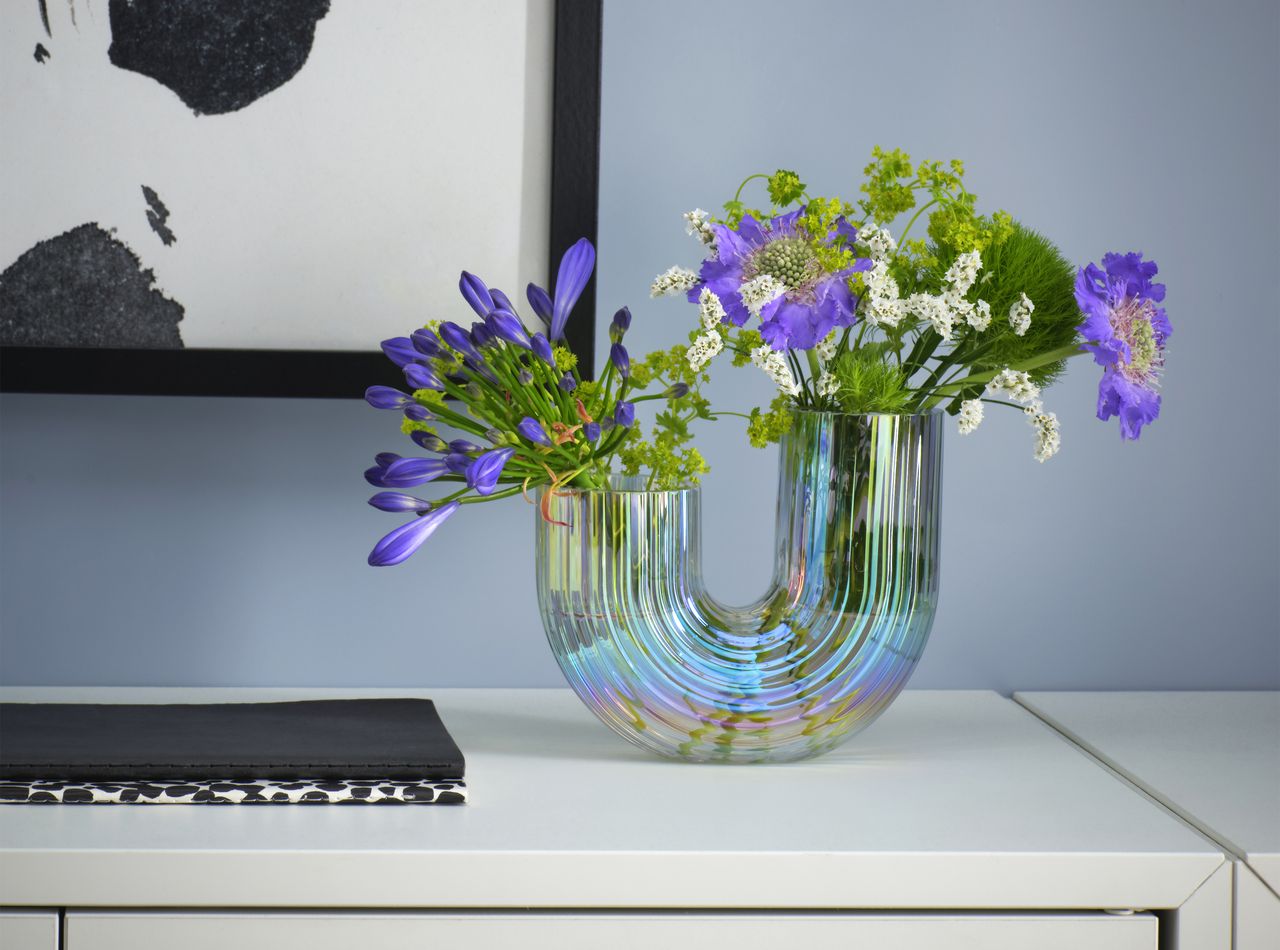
<point x="350" y="751"/>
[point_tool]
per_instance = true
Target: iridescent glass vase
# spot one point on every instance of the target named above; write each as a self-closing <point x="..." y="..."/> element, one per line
<point x="816" y="659"/>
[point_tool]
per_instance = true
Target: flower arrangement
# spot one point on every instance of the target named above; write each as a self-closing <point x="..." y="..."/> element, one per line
<point x="820" y="295"/>
<point x="814" y="291"/>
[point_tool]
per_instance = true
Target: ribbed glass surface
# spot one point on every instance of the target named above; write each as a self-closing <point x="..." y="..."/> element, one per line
<point x="817" y="658"/>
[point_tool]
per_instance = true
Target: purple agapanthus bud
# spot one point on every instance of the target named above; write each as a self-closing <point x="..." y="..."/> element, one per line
<point x="620" y="360"/>
<point x="383" y="459"/>
<point x="542" y="349"/>
<point x="462" y="445"/>
<point x="533" y="430"/>
<point x="620" y="325"/>
<point x="624" y="414"/>
<point x="429" y="441"/>
<point x="482" y="474"/>
<point x="457" y="463"/>
<point x="407" y="538"/>
<point x="385" y="397"/>
<point x="457" y="339"/>
<point x="524" y="377"/>
<point x="420" y="377"/>
<point x="540" y="301"/>
<point x="400" y="350"/>
<point x="592" y="431"/>
<point x="676" y="391"/>
<point x="568" y="383"/>
<point x="507" y="326"/>
<point x="405" y="473"/>
<point x="418" y="413"/>
<point x="399" y="501"/>
<point x="475" y="293"/>
<point x="426" y="343"/>
<point x="500" y="300"/>
<point x="575" y="270"/>
<point x="481" y="335"/>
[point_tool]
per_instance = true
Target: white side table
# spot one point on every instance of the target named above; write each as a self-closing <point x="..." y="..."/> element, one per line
<point x="1211" y="758"/>
<point x="958" y="804"/>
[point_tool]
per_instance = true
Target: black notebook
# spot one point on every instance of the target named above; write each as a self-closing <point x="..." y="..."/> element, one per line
<point x="359" y="742"/>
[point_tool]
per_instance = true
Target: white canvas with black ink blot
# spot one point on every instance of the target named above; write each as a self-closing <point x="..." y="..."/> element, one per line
<point x="266" y="174"/>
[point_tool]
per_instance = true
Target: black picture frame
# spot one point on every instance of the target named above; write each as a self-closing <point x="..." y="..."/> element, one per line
<point x="575" y="179"/>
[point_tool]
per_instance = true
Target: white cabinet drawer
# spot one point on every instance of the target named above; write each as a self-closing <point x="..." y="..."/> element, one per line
<point x="102" y="930"/>
<point x="28" y="930"/>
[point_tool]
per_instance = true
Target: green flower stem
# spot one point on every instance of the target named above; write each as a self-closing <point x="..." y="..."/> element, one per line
<point x="1053" y="356"/>
<point x="477" y="499"/>
<point x="737" y="195"/>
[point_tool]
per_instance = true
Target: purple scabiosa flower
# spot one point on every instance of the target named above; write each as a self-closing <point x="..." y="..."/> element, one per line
<point x="475" y="293"/>
<point x="482" y="474"/>
<point x="429" y="441"/>
<point x="1126" y="332"/>
<point x="462" y="445"/>
<point x="400" y="350"/>
<point x="457" y="462"/>
<point x="620" y="360"/>
<point x="541" y="303"/>
<point x="620" y="325"/>
<point x="507" y="326"/>
<point x="771" y="270"/>
<point x="407" y="472"/>
<point x="407" y="538"/>
<point x="426" y="343"/>
<point x="421" y="377"/>
<point x="567" y="383"/>
<point x="532" y="430"/>
<point x="591" y="431"/>
<point x="418" y="413"/>
<point x="399" y="501"/>
<point x="624" y="414"/>
<point x="542" y="349"/>
<point x="385" y="397"/>
<point x="575" y="270"/>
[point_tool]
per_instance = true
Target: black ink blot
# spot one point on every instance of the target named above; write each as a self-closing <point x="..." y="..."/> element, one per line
<point x="42" y="54"/>
<point x="85" y="288"/>
<point x="44" y="17"/>
<point x="217" y="55"/>
<point x="157" y="215"/>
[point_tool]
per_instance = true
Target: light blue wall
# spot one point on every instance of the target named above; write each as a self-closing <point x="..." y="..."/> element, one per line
<point x="201" y="541"/>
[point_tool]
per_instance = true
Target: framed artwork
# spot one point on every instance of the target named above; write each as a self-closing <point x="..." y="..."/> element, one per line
<point x="243" y="197"/>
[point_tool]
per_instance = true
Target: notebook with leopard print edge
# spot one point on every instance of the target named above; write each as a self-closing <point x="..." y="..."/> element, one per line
<point x="263" y="792"/>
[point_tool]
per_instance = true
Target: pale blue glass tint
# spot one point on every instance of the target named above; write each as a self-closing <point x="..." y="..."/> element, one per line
<point x="814" y="660"/>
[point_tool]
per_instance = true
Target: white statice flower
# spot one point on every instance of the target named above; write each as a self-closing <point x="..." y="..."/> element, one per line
<point x="1020" y="314"/>
<point x="970" y="415"/>
<point x="710" y="310"/>
<point x="677" y="280"/>
<point x="826" y="349"/>
<point x="697" y="225"/>
<point x="775" y="366"/>
<point x="759" y="291"/>
<point x="1048" y="439"/>
<point x="980" y="316"/>
<point x="1016" y="385"/>
<point x="961" y="309"/>
<point x="935" y="310"/>
<point x="882" y="307"/>
<point x="828" y="385"/>
<point x="703" y="349"/>
<point x="878" y="242"/>
<point x="964" y="271"/>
